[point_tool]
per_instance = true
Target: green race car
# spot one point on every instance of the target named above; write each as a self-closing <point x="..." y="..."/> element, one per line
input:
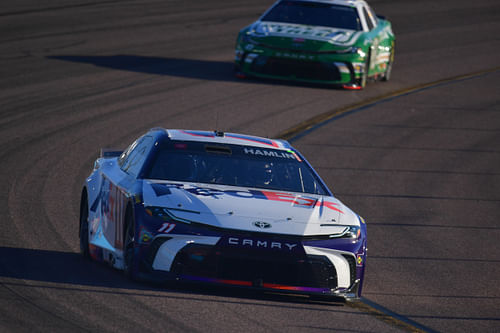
<point x="338" y="42"/>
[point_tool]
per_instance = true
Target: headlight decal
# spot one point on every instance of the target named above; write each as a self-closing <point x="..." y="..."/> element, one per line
<point x="349" y="232"/>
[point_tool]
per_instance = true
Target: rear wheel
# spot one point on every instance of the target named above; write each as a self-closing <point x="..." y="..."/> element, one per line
<point x="84" y="227"/>
<point x="129" y="245"/>
<point x="360" y="83"/>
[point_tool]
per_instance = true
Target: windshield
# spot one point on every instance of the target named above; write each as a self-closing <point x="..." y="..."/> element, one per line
<point x="314" y="13"/>
<point x="235" y="165"/>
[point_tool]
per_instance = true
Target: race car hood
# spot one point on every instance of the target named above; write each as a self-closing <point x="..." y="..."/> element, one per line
<point x="298" y="33"/>
<point x="250" y="209"/>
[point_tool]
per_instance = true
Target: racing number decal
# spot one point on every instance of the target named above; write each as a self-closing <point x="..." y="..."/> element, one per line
<point x="166" y="227"/>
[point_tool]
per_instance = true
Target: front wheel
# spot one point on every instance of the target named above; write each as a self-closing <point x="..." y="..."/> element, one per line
<point x="364" y="77"/>
<point x="129" y="246"/>
<point x="84" y="228"/>
<point x="387" y="74"/>
<point x="238" y="72"/>
<point x="360" y="83"/>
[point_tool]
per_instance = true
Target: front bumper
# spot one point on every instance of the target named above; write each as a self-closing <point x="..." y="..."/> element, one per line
<point x="299" y="66"/>
<point x="265" y="261"/>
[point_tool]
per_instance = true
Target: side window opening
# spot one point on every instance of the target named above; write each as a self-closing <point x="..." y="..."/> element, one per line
<point x="369" y="19"/>
<point x="133" y="158"/>
<point x="123" y="157"/>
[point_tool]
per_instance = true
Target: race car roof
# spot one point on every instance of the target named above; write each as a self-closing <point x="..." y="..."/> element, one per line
<point x="338" y="2"/>
<point x="227" y="138"/>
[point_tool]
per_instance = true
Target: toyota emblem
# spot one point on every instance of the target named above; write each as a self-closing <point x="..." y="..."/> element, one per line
<point x="262" y="224"/>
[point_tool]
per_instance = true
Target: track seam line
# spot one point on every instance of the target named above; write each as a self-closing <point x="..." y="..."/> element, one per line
<point x="43" y="309"/>
<point x="309" y="125"/>
<point x="388" y="316"/>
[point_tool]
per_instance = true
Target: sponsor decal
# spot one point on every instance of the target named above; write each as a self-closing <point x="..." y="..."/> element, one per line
<point x="268" y="153"/>
<point x="112" y="201"/>
<point x="359" y="259"/>
<point x="145" y="237"/>
<point x="262" y="244"/>
<point x="295" y="200"/>
<point x="295" y="56"/>
<point x="330" y="35"/>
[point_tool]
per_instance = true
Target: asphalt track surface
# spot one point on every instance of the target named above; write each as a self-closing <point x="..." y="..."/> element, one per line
<point x="422" y="166"/>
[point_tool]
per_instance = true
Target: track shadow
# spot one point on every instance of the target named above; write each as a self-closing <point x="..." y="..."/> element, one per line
<point x="70" y="268"/>
<point x="186" y="68"/>
<point x="57" y="267"/>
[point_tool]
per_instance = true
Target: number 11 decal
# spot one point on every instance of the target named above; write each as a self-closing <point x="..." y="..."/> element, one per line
<point x="167" y="227"/>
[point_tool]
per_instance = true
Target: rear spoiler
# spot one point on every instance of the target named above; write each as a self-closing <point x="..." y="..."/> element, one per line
<point x="109" y="153"/>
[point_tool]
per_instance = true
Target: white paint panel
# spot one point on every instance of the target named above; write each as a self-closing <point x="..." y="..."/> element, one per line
<point x="168" y="250"/>
<point x="340" y="263"/>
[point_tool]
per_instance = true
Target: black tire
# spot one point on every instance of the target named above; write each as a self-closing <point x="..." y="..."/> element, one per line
<point x="388" y="71"/>
<point x="238" y="73"/>
<point x="364" y="78"/>
<point x="129" y="245"/>
<point x="84" y="227"/>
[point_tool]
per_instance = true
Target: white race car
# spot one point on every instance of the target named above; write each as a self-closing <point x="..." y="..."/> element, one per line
<point x="221" y="208"/>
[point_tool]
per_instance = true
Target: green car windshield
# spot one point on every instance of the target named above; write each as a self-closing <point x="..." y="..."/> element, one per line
<point x="315" y="14"/>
